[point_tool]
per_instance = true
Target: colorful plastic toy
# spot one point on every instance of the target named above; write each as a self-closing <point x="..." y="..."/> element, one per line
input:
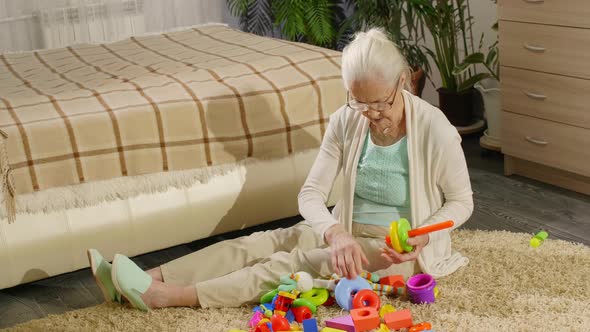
<point x="305" y="303"/>
<point x="366" y="298"/>
<point x="310" y="325"/>
<point x="268" y="297"/>
<point x="301" y="314"/>
<point x="420" y="288"/>
<point x="538" y="239"/>
<point x="383" y="328"/>
<point x="283" y="303"/>
<point x="344" y="323"/>
<point x="399" y="319"/>
<point x="345" y="290"/>
<point x="400" y="231"/>
<point x="372" y="277"/>
<point x="280" y="323"/>
<point x="385" y="309"/>
<point x="394" y="281"/>
<point x="365" y="319"/>
<point x="329" y="329"/>
<point x="424" y="326"/>
<point x="317" y="296"/>
<point x="255" y="319"/>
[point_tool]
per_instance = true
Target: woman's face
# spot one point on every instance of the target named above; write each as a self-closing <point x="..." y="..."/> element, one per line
<point x="374" y="91"/>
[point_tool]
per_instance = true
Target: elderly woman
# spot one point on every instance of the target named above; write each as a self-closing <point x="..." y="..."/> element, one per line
<point x="400" y="158"/>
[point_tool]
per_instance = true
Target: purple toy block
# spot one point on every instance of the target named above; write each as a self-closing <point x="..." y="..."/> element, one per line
<point x="343" y="323"/>
<point x="310" y="325"/>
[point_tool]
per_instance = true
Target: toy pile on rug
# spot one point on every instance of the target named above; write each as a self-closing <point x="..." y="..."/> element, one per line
<point x="292" y="305"/>
<point x="299" y="295"/>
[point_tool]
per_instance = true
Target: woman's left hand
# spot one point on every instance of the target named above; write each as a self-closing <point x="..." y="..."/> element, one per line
<point x="395" y="257"/>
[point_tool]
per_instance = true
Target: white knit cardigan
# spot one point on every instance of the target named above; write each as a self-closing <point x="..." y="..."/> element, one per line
<point x="439" y="180"/>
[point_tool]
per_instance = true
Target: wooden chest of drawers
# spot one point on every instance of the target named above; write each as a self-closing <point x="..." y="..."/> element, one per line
<point x="545" y="82"/>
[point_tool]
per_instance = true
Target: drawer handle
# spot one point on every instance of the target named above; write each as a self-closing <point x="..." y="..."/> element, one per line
<point x="537" y="49"/>
<point x="535" y="141"/>
<point x="537" y="96"/>
<point x="534" y="1"/>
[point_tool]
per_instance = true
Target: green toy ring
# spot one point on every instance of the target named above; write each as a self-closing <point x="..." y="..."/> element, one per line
<point x="317" y="296"/>
<point x="267" y="298"/>
<point x="403" y="227"/>
<point x="302" y="302"/>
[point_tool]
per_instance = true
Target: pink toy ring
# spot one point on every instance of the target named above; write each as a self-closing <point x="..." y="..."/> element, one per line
<point x="366" y="298"/>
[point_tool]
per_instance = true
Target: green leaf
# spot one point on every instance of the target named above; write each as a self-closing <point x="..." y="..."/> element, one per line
<point x="289" y="16"/>
<point x="318" y="16"/>
<point x="472" y="59"/>
<point x="469" y="83"/>
<point x="491" y="56"/>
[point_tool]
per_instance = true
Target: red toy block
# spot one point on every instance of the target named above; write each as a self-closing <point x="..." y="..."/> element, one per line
<point x="301" y="313"/>
<point x="365" y="319"/>
<point x="398" y="319"/>
<point x="395" y="281"/>
<point x="344" y="323"/>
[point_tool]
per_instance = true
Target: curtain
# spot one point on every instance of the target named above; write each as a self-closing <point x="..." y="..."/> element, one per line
<point x="36" y="24"/>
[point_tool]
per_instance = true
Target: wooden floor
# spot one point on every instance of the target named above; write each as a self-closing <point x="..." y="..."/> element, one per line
<point x="501" y="203"/>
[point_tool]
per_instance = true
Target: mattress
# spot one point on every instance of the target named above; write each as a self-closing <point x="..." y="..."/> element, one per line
<point x="41" y="245"/>
<point x="201" y="97"/>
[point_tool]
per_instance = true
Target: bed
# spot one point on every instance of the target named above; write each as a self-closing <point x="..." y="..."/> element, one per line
<point x="154" y="141"/>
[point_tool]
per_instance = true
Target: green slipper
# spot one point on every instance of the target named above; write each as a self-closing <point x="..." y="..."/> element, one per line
<point x="101" y="270"/>
<point x="130" y="280"/>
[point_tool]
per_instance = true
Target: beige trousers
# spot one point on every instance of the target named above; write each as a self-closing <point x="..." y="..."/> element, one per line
<point x="234" y="272"/>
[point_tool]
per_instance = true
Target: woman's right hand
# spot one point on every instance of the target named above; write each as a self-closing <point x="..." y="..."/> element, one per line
<point x="348" y="257"/>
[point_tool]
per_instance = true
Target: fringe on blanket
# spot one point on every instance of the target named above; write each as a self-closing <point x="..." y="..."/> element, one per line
<point x="8" y="192"/>
<point x="97" y="192"/>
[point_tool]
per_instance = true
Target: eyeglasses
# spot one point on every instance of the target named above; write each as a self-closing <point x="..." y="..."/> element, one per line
<point x="379" y="107"/>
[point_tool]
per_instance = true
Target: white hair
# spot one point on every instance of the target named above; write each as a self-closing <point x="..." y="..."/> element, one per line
<point x="372" y="54"/>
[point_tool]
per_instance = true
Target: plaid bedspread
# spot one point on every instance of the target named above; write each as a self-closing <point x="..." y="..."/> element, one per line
<point x="194" y="98"/>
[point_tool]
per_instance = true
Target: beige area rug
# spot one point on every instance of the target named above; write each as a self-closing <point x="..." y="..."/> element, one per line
<point x="507" y="286"/>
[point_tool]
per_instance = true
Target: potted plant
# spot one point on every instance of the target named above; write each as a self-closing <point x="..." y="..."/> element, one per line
<point x="318" y="22"/>
<point x="402" y="23"/>
<point x="450" y="23"/>
<point x="489" y="88"/>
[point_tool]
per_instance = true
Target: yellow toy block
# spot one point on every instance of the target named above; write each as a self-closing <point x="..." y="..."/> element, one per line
<point x="385" y="309"/>
<point x="383" y="328"/>
<point x="330" y="329"/>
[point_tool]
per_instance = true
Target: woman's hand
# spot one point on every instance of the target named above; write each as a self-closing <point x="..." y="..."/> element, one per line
<point x="348" y="257"/>
<point x="417" y="242"/>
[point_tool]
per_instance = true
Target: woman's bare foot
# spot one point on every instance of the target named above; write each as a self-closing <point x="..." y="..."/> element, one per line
<point x="162" y="295"/>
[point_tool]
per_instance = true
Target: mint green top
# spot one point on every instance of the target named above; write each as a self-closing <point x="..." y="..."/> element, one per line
<point x="382" y="190"/>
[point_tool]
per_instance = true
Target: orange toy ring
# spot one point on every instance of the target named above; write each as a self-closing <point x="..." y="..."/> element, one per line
<point x="366" y="298"/>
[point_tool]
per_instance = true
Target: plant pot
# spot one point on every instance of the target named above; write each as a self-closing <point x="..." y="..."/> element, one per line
<point x="418" y="80"/>
<point x="457" y="106"/>
<point x="490" y="91"/>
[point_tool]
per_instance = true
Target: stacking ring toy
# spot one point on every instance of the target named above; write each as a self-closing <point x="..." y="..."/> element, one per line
<point x="317" y="296"/>
<point x="305" y="303"/>
<point x="366" y="298"/>
<point x="346" y="289"/>
<point x="267" y="298"/>
<point x="400" y="231"/>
